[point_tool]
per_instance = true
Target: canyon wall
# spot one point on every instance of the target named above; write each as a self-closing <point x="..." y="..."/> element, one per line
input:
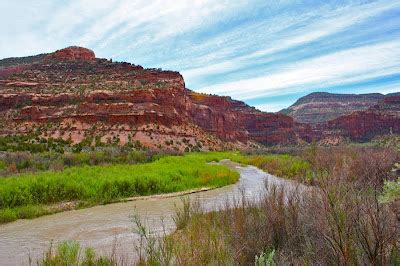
<point x="71" y="94"/>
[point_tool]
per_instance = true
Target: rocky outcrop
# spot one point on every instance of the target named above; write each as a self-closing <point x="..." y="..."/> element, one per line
<point x="72" y="90"/>
<point x="234" y="120"/>
<point x="72" y="95"/>
<point x="73" y="53"/>
<point x="320" y="107"/>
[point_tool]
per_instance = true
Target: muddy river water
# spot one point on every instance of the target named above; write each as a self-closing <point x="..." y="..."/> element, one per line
<point x="110" y="227"/>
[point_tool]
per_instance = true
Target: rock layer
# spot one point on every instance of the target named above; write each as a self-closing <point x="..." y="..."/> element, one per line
<point x="71" y="86"/>
<point x="321" y="107"/>
<point x="70" y="94"/>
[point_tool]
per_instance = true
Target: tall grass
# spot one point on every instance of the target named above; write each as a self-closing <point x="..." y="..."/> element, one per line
<point x="22" y="162"/>
<point x="104" y="184"/>
<point x="70" y="253"/>
<point x="282" y="165"/>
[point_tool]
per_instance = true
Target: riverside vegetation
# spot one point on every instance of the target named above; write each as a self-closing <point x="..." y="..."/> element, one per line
<point x="28" y="195"/>
<point x="345" y="218"/>
<point x="47" y="180"/>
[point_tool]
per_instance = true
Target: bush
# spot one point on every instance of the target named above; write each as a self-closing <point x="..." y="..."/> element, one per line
<point x="12" y="168"/>
<point x="338" y="222"/>
<point x="337" y="225"/>
<point x="19" y="162"/>
<point x="361" y="166"/>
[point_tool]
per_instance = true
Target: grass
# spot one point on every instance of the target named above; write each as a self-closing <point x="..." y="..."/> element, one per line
<point x="282" y="165"/>
<point x="28" y="195"/>
<point x="25" y="212"/>
<point x="21" y="196"/>
<point x="71" y="253"/>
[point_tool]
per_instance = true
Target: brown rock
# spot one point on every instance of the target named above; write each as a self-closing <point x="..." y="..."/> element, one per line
<point x="73" y="53"/>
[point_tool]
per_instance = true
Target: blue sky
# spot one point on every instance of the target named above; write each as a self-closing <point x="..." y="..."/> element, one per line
<point x="266" y="53"/>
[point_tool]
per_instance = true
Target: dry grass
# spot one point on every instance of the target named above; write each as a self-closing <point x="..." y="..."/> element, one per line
<point x="340" y="222"/>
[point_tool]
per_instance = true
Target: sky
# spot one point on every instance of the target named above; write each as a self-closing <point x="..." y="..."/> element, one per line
<point x="267" y="53"/>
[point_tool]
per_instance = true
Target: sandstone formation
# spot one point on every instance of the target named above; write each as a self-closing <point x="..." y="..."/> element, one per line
<point x="320" y="107"/>
<point x="360" y="126"/>
<point x="74" y="96"/>
<point x="70" y="94"/>
<point x="73" y="53"/>
<point x="381" y="119"/>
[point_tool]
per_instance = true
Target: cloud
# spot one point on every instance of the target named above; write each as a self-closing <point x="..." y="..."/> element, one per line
<point x="337" y="68"/>
<point x="271" y="107"/>
<point x="247" y="49"/>
<point x="325" y="25"/>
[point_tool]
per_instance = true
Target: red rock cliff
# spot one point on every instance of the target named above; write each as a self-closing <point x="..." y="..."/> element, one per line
<point x="71" y="94"/>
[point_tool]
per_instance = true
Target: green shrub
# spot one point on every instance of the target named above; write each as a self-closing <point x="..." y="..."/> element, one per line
<point x="286" y="166"/>
<point x="265" y="259"/>
<point x="391" y="191"/>
<point x="104" y="184"/>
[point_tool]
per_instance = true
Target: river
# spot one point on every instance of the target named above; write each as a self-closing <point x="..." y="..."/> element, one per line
<point x="110" y="226"/>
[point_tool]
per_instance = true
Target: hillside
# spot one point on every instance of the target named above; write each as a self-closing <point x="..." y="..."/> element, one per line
<point x="74" y="96"/>
<point x="322" y="106"/>
<point x="70" y="96"/>
<point x="380" y="119"/>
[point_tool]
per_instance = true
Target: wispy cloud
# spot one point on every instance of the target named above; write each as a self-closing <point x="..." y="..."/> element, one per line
<point x="326" y="24"/>
<point x="252" y="50"/>
<point x="328" y="70"/>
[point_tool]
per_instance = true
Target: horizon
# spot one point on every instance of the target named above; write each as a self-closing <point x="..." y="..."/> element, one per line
<point x="265" y="54"/>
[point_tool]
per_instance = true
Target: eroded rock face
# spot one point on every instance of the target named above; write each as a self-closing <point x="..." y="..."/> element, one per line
<point x="381" y="119"/>
<point x="234" y="120"/>
<point x="321" y="107"/>
<point x="73" y="53"/>
<point x="71" y="84"/>
<point x="70" y="94"/>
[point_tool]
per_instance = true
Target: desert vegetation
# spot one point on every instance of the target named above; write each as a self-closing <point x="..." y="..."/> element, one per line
<point x="341" y="220"/>
<point x="342" y="217"/>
